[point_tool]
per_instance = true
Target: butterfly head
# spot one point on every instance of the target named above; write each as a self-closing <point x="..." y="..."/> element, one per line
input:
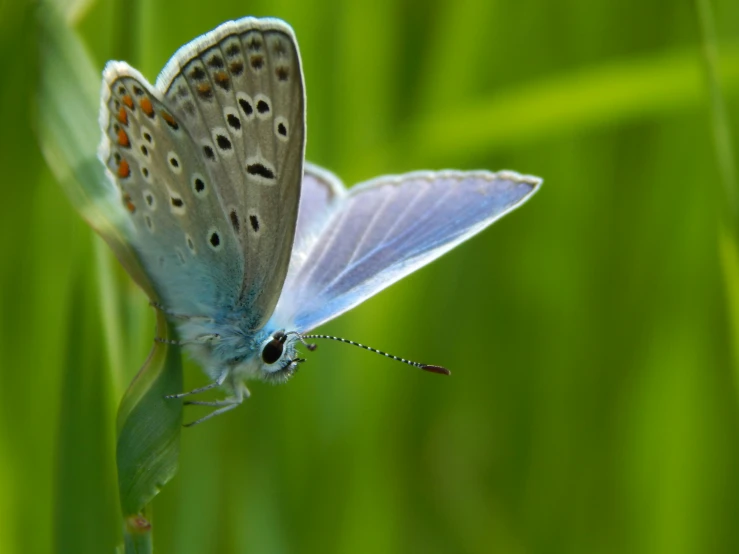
<point x="279" y="356"/>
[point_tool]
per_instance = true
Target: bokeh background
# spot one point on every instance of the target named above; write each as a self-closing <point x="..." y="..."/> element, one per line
<point x="593" y="402"/>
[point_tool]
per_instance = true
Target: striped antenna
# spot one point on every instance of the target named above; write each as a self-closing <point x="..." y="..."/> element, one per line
<point x="425" y="367"/>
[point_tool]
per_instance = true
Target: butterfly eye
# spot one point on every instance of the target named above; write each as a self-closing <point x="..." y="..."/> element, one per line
<point x="273" y="349"/>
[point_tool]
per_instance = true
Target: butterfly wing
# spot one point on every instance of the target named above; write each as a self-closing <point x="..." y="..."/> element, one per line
<point x="382" y="230"/>
<point x="321" y="193"/>
<point x="174" y="208"/>
<point x="231" y="107"/>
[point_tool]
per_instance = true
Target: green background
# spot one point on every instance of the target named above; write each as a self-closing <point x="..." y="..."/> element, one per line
<point x="593" y="402"/>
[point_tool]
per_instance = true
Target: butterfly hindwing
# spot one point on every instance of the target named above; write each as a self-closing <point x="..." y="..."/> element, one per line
<point x="178" y="226"/>
<point x="321" y="193"/>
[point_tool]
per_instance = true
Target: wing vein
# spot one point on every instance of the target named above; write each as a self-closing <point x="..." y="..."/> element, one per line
<point x="384" y="244"/>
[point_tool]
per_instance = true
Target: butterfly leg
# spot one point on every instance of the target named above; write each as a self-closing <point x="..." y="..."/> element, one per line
<point x="202" y="339"/>
<point x="165" y="311"/>
<point x="225" y="405"/>
<point x="217" y="383"/>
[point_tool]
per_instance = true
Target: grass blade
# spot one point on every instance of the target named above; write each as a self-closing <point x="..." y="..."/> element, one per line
<point x="609" y="93"/>
<point x="729" y="229"/>
<point x="148" y="426"/>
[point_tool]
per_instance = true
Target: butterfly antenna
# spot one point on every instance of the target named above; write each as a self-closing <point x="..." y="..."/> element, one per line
<point x="426" y="367"/>
<point x="309" y="345"/>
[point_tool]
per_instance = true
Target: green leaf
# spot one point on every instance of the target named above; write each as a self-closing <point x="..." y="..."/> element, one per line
<point x="149" y="426"/>
<point x="69" y="134"/>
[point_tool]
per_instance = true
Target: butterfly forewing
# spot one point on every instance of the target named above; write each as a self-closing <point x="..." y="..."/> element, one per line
<point x="385" y="229"/>
<point x="179" y="231"/>
<point x="239" y="92"/>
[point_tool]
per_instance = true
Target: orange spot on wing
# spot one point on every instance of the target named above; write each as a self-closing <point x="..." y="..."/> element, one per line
<point x="171" y="121"/>
<point x="124" y="170"/>
<point x="123" y="139"/>
<point x="222" y="80"/>
<point x="147" y="107"/>
<point x="128" y="101"/>
<point x="123" y="116"/>
<point x="129" y="205"/>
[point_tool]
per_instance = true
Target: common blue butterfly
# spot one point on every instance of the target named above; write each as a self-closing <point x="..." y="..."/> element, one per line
<point x="247" y="246"/>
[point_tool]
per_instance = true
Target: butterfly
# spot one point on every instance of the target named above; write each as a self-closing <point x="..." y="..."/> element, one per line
<point x="247" y="246"/>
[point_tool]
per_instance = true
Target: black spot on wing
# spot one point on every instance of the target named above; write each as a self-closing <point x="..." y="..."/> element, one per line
<point x="246" y="106"/>
<point x="235" y="221"/>
<point x="216" y="62"/>
<point x="233" y="122"/>
<point x="223" y="142"/>
<point x="260" y="170"/>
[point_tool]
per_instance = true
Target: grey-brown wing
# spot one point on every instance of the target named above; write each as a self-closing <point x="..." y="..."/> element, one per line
<point x="175" y="220"/>
<point x="239" y="92"/>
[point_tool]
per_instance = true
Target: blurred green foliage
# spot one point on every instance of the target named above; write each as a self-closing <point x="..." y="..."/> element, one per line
<point x="593" y="405"/>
